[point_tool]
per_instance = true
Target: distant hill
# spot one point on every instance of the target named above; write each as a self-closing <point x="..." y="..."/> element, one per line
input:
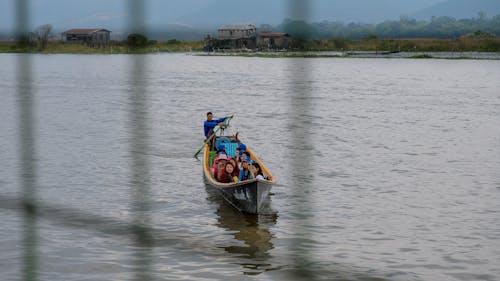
<point x="459" y="9"/>
<point x="275" y="11"/>
<point x="113" y="14"/>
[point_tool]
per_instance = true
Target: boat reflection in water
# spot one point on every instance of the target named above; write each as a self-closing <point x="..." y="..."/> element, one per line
<point x="254" y="239"/>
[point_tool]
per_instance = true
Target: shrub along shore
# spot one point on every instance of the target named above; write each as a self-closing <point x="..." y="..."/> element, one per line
<point x="470" y="43"/>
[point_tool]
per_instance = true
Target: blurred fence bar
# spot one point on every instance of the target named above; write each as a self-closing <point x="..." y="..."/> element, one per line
<point x="139" y="148"/>
<point x="27" y="153"/>
<point x="301" y="108"/>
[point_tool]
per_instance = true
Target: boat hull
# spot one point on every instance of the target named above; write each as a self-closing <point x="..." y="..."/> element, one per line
<point x="247" y="197"/>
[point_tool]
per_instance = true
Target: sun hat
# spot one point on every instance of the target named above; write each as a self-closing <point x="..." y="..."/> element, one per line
<point x="221" y="157"/>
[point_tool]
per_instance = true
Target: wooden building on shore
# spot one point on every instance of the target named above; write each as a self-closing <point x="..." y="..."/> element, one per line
<point x="92" y="37"/>
<point x="242" y="36"/>
<point x="245" y="38"/>
<point x="273" y="41"/>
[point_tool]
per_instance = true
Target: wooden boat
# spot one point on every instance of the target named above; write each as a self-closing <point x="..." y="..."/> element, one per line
<point x="247" y="196"/>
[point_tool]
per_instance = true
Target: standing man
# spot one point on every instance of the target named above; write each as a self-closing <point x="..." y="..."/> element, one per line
<point x="210" y="123"/>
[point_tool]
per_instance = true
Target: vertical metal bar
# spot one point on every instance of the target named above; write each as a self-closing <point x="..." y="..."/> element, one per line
<point x="27" y="148"/>
<point x="28" y="172"/>
<point x="139" y="130"/>
<point x="140" y="182"/>
<point x="299" y="9"/>
<point x="301" y="107"/>
<point x="137" y="16"/>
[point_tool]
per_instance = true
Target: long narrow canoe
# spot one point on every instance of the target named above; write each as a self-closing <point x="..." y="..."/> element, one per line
<point x="247" y="196"/>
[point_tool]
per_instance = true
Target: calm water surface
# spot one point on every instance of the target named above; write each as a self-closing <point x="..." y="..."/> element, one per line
<point x="388" y="169"/>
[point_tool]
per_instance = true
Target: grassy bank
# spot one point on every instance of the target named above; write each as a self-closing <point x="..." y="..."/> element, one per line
<point x="471" y="43"/>
<point x="113" y="48"/>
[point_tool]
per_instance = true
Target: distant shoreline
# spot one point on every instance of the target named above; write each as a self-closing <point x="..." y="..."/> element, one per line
<point x="362" y="54"/>
<point x="469" y="47"/>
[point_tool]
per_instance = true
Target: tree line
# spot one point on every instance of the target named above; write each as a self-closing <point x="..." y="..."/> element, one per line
<point x="405" y="27"/>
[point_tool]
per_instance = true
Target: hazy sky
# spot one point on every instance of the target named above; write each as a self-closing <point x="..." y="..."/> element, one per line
<point x="113" y="13"/>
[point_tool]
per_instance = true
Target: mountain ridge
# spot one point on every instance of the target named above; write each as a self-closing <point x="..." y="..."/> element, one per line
<point x="459" y="9"/>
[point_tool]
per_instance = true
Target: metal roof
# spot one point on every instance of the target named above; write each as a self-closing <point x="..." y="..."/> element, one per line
<point x="238" y="27"/>
<point x="84" y="30"/>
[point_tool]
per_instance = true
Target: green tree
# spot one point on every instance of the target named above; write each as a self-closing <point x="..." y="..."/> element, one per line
<point x="300" y="30"/>
<point x="42" y="34"/>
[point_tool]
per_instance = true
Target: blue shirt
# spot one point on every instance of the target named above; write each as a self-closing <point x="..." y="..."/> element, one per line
<point x="245" y="175"/>
<point x="210" y="125"/>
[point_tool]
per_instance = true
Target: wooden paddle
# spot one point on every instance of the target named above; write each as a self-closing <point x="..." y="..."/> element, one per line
<point x="212" y="136"/>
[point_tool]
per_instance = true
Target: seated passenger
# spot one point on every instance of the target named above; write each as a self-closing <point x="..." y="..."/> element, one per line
<point x="226" y="175"/>
<point x="242" y="147"/>
<point x="236" y="170"/>
<point x="243" y="155"/>
<point x="237" y="154"/>
<point x="257" y="171"/>
<point x="245" y="173"/>
<point x="219" y="164"/>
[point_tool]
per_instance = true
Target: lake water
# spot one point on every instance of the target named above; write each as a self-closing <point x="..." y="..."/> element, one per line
<point x="387" y="169"/>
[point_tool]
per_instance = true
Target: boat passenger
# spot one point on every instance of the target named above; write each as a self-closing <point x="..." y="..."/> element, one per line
<point x="221" y="150"/>
<point x="217" y="159"/>
<point x="237" y="154"/>
<point x="242" y="147"/>
<point x="226" y="176"/>
<point x="257" y="171"/>
<point x="236" y="170"/>
<point x="243" y="155"/>
<point x="220" y="165"/>
<point x="210" y="123"/>
<point x="245" y="173"/>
